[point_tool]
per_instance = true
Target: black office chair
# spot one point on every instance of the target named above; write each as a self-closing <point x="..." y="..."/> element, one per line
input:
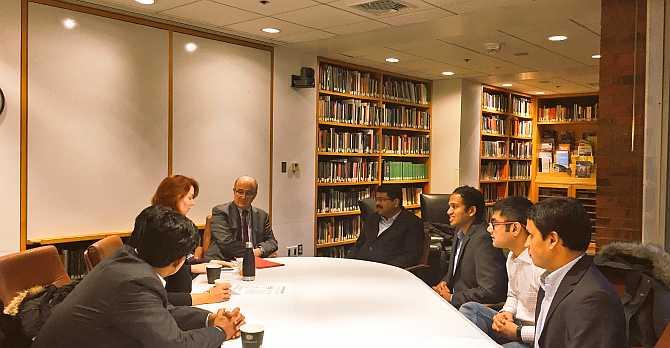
<point x="434" y="208"/>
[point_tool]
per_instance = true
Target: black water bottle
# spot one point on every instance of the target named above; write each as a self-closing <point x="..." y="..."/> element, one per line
<point x="249" y="263"/>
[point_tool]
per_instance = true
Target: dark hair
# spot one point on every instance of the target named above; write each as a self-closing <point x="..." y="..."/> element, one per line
<point x="472" y="198"/>
<point x="394" y="192"/>
<point x="514" y="208"/>
<point x="172" y="189"/>
<point x="166" y="236"/>
<point x="567" y="217"/>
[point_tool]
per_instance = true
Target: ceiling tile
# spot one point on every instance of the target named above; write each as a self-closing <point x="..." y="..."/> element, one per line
<point x="360" y="27"/>
<point x="271" y="7"/>
<point x="416" y="17"/>
<point x="310" y="35"/>
<point x="321" y="17"/>
<point x="469" y="6"/>
<point x="212" y="13"/>
<point x="254" y="27"/>
<point x="134" y="6"/>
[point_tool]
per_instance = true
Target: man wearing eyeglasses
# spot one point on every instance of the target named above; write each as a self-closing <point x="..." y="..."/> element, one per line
<point x="391" y="234"/>
<point x="237" y="222"/>
<point x="514" y="325"/>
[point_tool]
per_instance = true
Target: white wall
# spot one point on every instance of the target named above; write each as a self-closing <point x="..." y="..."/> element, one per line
<point x="471" y="102"/>
<point x="10" y="118"/>
<point x="446" y="129"/>
<point x="294" y="141"/>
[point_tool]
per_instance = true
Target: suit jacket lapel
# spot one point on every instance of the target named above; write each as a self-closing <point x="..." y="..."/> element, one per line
<point x="464" y="242"/>
<point x="567" y="285"/>
<point x="255" y="225"/>
<point x="373" y="231"/>
<point x="236" y="221"/>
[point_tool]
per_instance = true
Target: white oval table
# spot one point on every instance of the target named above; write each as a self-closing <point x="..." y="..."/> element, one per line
<point x="329" y="302"/>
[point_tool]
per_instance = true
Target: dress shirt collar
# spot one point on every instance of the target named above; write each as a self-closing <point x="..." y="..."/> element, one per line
<point x="161" y="279"/>
<point x="524" y="257"/>
<point x="551" y="281"/>
<point x="391" y="219"/>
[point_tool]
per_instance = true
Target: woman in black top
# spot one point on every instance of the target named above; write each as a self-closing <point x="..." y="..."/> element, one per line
<point x="179" y="192"/>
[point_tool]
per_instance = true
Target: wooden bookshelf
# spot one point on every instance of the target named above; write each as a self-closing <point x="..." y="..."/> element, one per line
<point x="506" y="127"/>
<point x="371" y="109"/>
<point x="576" y="115"/>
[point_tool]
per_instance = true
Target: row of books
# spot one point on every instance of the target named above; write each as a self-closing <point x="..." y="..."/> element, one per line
<point x="519" y="170"/>
<point x="342" y="80"/>
<point x="518" y="189"/>
<point x="494" y="101"/>
<point x="335" y="140"/>
<point x="411" y="195"/>
<point x="351" y="111"/>
<point x="337" y="230"/>
<point x="494" y="148"/>
<point x="522" y="128"/>
<point x="492" y="124"/>
<point x="393" y="170"/>
<point x="338" y="252"/>
<point x="406" y="144"/>
<point x="347" y="170"/>
<point x="73" y="261"/>
<point x="574" y="112"/>
<point x="406" y="91"/>
<point x="521" y="105"/>
<point x="492" y="192"/>
<point x="492" y="170"/>
<point x="407" y="117"/>
<point x="520" y="149"/>
<point x="340" y="199"/>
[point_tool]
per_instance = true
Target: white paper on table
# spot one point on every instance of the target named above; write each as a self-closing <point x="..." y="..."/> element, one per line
<point x="257" y="288"/>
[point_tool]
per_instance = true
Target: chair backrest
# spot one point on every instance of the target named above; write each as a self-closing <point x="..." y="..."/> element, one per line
<point x="100" y="250"/>
<point x="425" y="252"/>
<point x="23" y="270"/>
<point x="207" y="235"/>
<point x="367" y="207"/>
<point x="434" y="207"/>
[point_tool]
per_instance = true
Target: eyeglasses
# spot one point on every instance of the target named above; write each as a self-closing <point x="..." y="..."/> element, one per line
<point x="493" y="224"/>
<point x="244" y="193"/>
<point x="381" y="199"/>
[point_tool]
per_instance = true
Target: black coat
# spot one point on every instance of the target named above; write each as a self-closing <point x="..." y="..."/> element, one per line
<point x="480" y="274"/>
<point x="398" y="245"/>
<point x="585" y="312"/>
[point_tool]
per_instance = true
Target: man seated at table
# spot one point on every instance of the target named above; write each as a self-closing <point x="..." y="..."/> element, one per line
<point x="576" y="305"/>
<point x="122" y="302"/>
<point x="514" y="325"/>
<point x="391" y="235"/>
<point x="476" y="270"/>
<point x="237" y="222"/>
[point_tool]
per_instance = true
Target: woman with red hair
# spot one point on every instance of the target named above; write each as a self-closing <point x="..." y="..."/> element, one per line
<point x="179" y="192"/>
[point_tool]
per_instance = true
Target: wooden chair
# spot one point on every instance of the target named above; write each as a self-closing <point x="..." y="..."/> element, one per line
<point x="23" y="270"/>
<point x="100" y="250"/>
<point x="206" y="236"/>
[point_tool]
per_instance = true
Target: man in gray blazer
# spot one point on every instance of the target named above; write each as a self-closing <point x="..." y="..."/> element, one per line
<point x="122" y="302"/>
<point x="234" y="223"/>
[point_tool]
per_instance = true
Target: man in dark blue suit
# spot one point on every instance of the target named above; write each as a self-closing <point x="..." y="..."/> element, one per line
<point x="576" y="305"/>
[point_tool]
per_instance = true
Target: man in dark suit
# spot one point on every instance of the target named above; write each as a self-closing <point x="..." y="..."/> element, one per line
<point x="576" y="305"/>
<point x="391" y="235"/>
<point x="122" y="302"/>
<point x="237" y="222"/>
<point x="476" y="270"/>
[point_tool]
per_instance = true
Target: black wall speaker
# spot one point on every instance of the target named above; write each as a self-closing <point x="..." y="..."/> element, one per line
<point x="304" y="80"/>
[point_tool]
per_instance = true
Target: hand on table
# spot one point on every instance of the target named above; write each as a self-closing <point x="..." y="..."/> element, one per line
<point x="257" y="252"/>
<point x="503" y="324"/>
<point x="443" y="290"/>
<point x="218" y="293"/>
<point x="229" y="321"/>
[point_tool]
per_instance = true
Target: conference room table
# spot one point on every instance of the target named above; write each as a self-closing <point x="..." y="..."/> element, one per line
<point x="330" y="302"/>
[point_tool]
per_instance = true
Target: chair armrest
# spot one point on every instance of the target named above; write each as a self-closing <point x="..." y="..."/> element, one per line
<point x="416" y="268"/>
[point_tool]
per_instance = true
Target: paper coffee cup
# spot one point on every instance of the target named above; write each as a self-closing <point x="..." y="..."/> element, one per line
<point x="252" y="335"/>
<point x="213" y="272"/>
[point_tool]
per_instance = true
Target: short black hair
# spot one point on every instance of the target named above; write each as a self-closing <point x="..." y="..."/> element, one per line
<point x="514" y="208"/>
<point x="394" y="192"/>
<point x="166" y="236"/>
<point x="472" y="198"/>
<point x="567" y="217"/>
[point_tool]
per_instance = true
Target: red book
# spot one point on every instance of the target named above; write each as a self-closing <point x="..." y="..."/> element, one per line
<point x="263" y="263"/>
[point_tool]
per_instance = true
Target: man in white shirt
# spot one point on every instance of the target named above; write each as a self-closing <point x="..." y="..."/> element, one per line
<point x="576" y="305"/>
<point x="514" y="325"/>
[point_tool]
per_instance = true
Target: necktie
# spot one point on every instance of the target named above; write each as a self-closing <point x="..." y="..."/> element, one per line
<point x="457" y="250"/>
<point x="245" y="227"/>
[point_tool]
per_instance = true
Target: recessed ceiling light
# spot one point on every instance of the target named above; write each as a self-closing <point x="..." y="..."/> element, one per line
<point x="448" y="73"/>
<point x="506" y="85"/>
<point x="539" y="92"/>
<point x="392" y="60"/>
<point x="69" y="23"/>
<point x="145" y="2"/>
<point x="190" y="47"/>
<point x="557" y="38"/>
<point x="596" y="56"/>
<point x="270" y="30"/>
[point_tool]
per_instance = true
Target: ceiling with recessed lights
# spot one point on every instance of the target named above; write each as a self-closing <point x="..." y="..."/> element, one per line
<point x="490" y="41"/>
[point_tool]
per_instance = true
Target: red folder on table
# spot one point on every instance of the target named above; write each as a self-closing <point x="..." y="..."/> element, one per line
<point x="263" y="263"/>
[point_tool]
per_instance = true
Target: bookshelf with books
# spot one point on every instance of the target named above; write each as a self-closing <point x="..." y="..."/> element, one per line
<point x="564" y="145"/>
<point x="506" y="149"/>
<point x="373" y="128"/>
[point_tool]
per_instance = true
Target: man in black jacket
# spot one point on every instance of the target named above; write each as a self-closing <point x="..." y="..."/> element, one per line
<point x="122" y="303"/>
<point x="476" y="270"/>
<point x="391" y="235"/>
<point x="576" y="305"/>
